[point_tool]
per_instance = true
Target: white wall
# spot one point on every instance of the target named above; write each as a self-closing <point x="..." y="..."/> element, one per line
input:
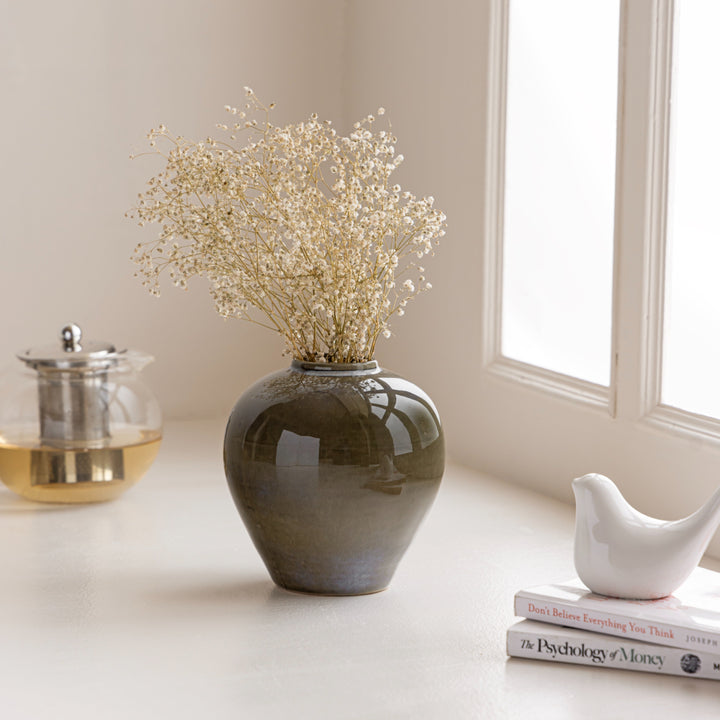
<point x="425" y="62"/>
<point x="81" y="82"/>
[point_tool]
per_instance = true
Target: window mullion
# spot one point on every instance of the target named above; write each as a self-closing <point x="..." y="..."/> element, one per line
<point x="641" y="191"/>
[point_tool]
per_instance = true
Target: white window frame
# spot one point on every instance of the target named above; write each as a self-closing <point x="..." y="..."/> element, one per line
<point x="629" y="418"/>
<point x="645" y="66"/>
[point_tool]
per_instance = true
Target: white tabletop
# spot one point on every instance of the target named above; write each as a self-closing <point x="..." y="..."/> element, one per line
<point x="157" y="606"/>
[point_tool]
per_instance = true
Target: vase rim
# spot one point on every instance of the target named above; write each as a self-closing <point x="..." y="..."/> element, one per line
<point x="328" y="367"/>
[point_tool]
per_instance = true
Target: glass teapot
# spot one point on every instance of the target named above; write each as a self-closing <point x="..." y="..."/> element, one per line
<point x="77" y="424"/>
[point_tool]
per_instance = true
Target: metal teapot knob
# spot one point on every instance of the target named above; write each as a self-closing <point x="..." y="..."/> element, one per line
<point x="70" y="336"/>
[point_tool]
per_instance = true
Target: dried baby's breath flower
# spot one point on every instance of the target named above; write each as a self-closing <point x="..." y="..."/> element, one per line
<point x="297" y="228"/>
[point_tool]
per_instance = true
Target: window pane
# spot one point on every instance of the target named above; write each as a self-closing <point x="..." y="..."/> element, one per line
<point x="691" y="358"/>
<point x="560" y="185"/>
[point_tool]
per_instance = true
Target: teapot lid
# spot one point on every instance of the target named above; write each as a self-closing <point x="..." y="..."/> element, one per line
<point x="72" y="353"/>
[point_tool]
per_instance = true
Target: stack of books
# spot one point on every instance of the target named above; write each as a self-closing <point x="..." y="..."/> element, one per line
<point x="677" y="635"/>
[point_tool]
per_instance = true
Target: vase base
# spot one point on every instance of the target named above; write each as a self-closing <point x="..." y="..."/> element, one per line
<point x="331" y="593"/>
<point x="330" y="584"/>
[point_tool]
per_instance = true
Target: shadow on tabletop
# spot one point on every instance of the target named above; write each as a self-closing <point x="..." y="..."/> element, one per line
<point x="258" y="589"/>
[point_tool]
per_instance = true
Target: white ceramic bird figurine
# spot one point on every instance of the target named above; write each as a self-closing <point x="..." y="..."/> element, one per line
<point x="622" y="553"/>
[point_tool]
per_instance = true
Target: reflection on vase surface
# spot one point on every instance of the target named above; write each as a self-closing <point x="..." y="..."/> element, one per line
<point x="333" y="469"/>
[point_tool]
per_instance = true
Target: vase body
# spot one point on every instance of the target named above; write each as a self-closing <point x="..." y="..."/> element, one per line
<point x="332" y="468"/>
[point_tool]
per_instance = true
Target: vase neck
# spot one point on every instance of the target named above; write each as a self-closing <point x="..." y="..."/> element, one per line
<point x="335" y="368"/>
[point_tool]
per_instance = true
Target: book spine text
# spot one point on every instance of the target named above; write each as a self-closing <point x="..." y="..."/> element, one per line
<point x="557" y="613"/>
<point x="598" y="651"/>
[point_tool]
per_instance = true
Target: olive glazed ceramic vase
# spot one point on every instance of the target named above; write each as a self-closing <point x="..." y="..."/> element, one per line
<point x="332" y="468"/>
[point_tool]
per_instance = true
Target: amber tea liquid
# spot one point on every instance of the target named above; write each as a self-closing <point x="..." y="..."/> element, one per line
<point x="81" y="475"/>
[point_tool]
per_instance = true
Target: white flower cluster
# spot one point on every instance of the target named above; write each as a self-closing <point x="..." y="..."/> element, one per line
<point x="298" y="228"/>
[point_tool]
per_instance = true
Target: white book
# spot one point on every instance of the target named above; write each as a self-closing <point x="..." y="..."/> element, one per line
<point x="540" y="641"/>
<point x="689" y="618"/>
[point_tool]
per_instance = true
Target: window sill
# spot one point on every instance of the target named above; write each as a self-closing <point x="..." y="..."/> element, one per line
<point x="157" y="605"/>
